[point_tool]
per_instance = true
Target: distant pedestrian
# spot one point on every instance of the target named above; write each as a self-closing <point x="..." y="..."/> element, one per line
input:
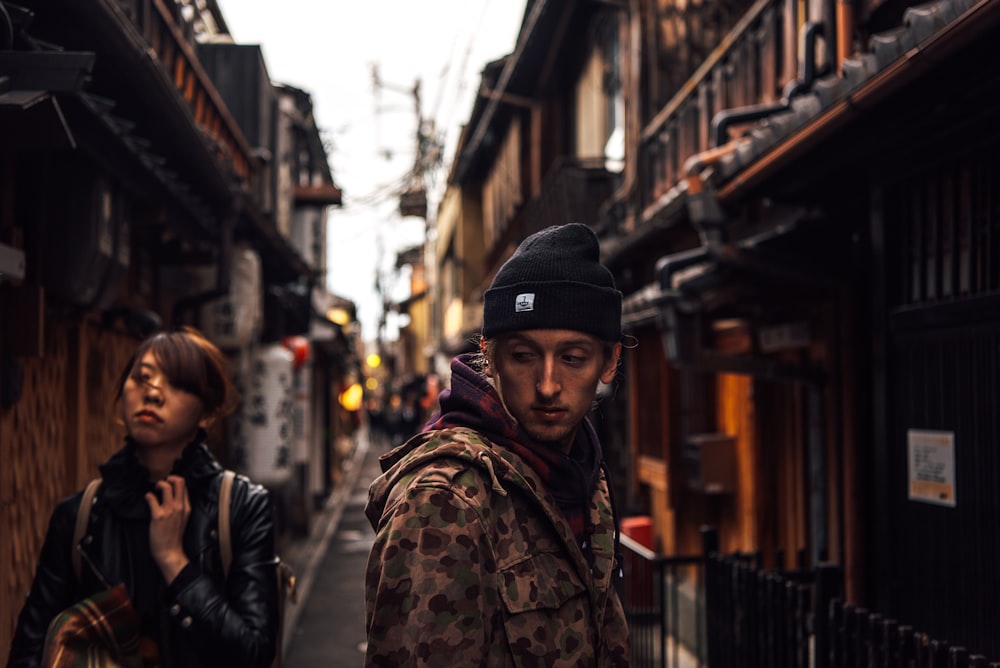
<point x="496" y="537"/>
<point x="394" y="420"/>
<point x="154" y="529"/>
<point x="409" y="416"/>
<point x="376" y="421"/>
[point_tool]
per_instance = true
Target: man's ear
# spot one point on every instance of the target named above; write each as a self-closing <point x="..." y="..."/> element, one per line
<point x="487" y="364"/>
<point x="206" y="422"/>
<point x="611" y="365"/>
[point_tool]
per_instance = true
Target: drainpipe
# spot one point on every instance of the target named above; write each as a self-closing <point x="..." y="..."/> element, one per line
<point x="706" y="215"/>
<point x="686" y="347"/>
<point x="704" y="211"/>
<point x="816" y="446"/>
<point x="844" y="15"/>
<point x="722" y="120"/>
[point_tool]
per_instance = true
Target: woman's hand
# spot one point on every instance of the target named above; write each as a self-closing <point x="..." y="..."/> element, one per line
<point x="169" y="518"/>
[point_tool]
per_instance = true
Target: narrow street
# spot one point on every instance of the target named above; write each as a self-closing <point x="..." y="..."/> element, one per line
<point x="327" y="625"/>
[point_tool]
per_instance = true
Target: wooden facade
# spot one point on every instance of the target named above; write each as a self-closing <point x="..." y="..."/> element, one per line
<point x="52" y="440"/>
<point x="804" y="233"/>
<point x="128" y="191"/>
<point x="939" y="369"/>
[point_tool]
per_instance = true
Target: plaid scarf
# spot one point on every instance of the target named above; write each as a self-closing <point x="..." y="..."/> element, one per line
<point x="472" y="402"/>
<point x="99" y="631"/>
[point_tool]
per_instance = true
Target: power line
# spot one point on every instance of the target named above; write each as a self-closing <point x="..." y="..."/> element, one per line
<point x="462" y="83"/>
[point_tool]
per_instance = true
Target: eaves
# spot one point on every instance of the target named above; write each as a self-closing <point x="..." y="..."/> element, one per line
<point x="138" y="70"/>
<point x="517" y="78"/>
<point x="929" y="33"/>
<point x="894" y="59"/>
<point x="282" y="263"/>
<point x="665" y="213"/>
<point x="44" y="106"/>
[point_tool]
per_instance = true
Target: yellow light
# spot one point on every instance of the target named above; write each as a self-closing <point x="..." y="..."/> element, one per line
<point x="373" y="360"/>
<point x="338" y="316"/>
<point x="351" y="398"/>
<point x="371" y="384"/>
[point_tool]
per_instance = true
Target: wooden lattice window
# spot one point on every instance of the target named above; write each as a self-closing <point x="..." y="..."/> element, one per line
<point x="949" y="225"/>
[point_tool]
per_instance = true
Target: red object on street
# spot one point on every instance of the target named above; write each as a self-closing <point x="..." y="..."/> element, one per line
<point x="639" y="529"/>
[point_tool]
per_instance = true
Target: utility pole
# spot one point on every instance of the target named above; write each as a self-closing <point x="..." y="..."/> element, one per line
<point x="428" y="149"/>
<point x="378" y="85"/>
<point x="412" y="196"/>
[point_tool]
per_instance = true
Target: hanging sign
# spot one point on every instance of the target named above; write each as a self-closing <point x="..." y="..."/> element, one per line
<point x="931" y="456"/>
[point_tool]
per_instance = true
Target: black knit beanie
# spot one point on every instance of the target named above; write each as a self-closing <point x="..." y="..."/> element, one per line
<point x="555" y="280"/>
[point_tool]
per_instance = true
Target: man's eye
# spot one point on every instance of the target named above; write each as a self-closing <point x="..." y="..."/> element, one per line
<point x="522" y="356"/>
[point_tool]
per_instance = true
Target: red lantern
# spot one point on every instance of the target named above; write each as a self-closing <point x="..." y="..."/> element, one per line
<point x="299" y="345"/>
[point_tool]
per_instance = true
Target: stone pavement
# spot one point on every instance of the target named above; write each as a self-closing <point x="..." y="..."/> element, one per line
<point x="327" y="625"/>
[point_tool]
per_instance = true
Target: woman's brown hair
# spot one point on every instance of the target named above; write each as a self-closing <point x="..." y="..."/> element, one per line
<point x="190" y="363"/>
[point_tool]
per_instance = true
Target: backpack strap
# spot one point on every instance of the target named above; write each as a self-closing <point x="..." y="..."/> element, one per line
<point x="225" y="537"/>
<point x="285" y="574"/>
<point x="82" y="517"/>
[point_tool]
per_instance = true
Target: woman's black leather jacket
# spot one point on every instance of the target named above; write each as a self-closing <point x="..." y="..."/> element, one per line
<point x="202" y="618"/>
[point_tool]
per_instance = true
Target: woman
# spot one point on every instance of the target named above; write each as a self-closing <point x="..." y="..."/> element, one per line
<point x="154" y="525"/>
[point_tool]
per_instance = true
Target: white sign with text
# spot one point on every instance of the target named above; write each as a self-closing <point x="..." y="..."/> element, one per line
<point x="931" y="456"/>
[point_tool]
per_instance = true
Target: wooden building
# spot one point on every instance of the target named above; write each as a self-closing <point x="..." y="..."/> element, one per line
<point x="830" y="164"/>
<point x="796" y="201"/>
<point x="137" y="192"/>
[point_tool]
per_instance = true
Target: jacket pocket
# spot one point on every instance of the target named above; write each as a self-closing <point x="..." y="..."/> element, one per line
<point x="547" y="620"/>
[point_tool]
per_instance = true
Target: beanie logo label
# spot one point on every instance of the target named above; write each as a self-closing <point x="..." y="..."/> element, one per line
<point x="524" y="302"/>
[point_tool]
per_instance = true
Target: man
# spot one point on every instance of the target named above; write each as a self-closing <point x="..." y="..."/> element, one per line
<point x="496" y="536"/>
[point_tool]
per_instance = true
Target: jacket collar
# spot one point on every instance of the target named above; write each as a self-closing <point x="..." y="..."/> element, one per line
<point x="507" y="473"/>
<point x="126" y="481"/>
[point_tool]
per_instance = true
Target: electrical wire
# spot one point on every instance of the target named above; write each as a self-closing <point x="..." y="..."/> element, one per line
<point x="462" y="84"/>
<point x="444" y="75"/>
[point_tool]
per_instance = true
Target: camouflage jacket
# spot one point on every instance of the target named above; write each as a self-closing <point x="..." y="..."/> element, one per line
<point x="474" y="565"/>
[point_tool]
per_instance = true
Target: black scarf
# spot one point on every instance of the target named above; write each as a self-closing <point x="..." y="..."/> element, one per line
<point x="472" y="402"/>
<point x="126" y="481"/>
<point x="123" y="490"/>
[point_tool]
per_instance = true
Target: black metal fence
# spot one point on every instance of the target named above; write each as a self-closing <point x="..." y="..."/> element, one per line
<point x="765" y="619"/>
<point x="663" y="604"/>
<point x="863" y="638"/>
<point x="725" y="611"/>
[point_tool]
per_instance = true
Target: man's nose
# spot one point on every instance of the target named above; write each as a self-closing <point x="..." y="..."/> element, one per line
<point x="548" y="384"/>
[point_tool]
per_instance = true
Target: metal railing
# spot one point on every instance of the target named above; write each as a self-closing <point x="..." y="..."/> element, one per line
<point x="859" y="637"/>
<point x="746" y="68"/>
<point x="766" y="618"/>
<point x="664" y="607"/>
<point x="725" y="611"/>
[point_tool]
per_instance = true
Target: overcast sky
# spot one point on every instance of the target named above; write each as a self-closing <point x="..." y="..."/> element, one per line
<point x="329" y="49"/>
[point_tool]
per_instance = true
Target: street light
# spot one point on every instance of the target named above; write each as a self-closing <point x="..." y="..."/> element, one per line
<point x="352" y="397"/>
<point x="338" y="316"/>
